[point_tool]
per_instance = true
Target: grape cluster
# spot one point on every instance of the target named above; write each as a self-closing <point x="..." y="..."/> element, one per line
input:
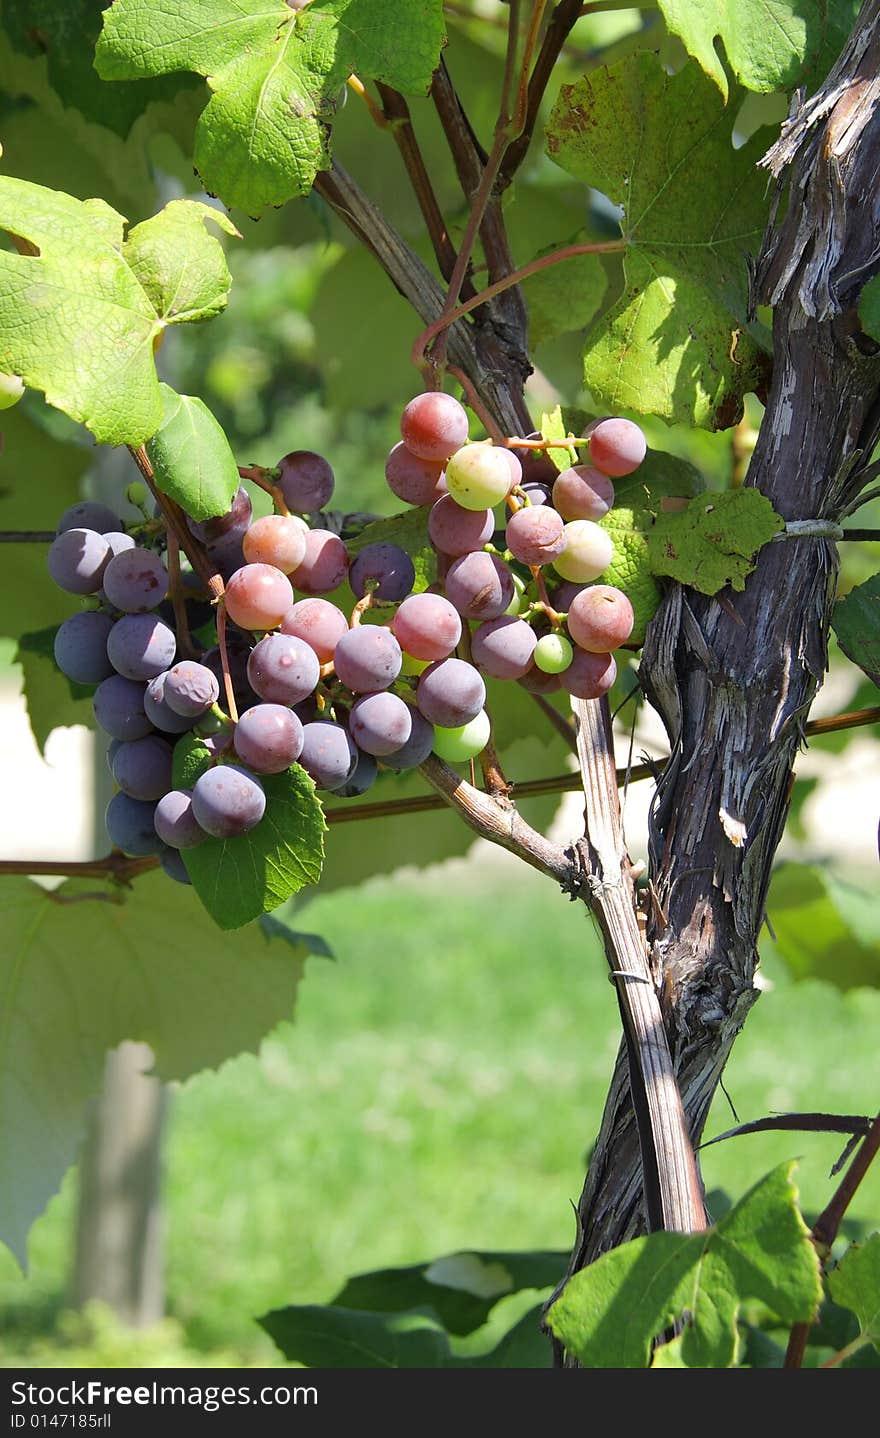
<point x="295" y="679"/>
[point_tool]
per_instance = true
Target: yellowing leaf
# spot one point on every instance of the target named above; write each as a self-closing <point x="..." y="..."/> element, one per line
<point x="79" y="318"/>
<point x="713" y="542"/>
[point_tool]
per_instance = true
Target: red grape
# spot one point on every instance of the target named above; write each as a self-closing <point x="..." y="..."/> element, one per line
<point x="434" y="425"/>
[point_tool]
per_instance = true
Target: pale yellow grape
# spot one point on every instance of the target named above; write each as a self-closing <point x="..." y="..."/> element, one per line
<point x="587" y="554"/>
<point x="479" y="476"/>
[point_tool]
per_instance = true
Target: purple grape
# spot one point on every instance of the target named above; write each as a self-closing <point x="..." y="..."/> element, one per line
<point x="328" y="754"/>
<point x="268" y="738"/>
<point x="89" y="514"/>
<point x="172" y="864"/>
<point x="142" y="767"/>
<point x="317" y="621"/>
<point x="380" y="723"/>
<point x="385" y="569"/>
<point x="563" y="595"/>
<point x="367" y="657"/>
<point x="129" y="823"/>
<point x="535" y="534"/>
<point x="582" y="492"/>
<point x="159" y="711"/>
<point x="227" y="555"/>
<point x="228" y="801"/>
<point x="325" y="565"/>
<point x="450" y="693"/>
<point x="175" y="822"/>
<point x="364" y="776"/>
<point x="504" y="647"/>
<point x="233" y="523"/>
<point x="140" y="646"/>
<point x="135" y="581"/>
<point x="589" y="676"/>
<point x="427" y="626"/>
<point x="537" y="682"/>
<point x="217" y="744"/>
<point x="306" y="481"/>
<point x="118" y="541"/>
<point x="191" y="688"/>
<point x="536" y="493"/>
<point x="456" y="531"/>
<point x="480" y="586"/>
<point x="112" y="750"/>
<point x="414" y="480"/>
<point x="417" y="747"/>
<point x="77" y="560"/>
<point x="282" y="669"/>
<point x="81" y="647"/>
<point x="119" y="708"/>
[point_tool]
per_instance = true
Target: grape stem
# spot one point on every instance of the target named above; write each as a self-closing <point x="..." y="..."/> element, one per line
<point x="507" y="127"/>
<point x="360" y="609"/>
<point x="178" y="603"/>
<point x="224" y="661"/>
<point x="175" y="521"/>
<point x="826" y="1228"/>
<point x="458" y="311"/>
<point x="262" y="477"/>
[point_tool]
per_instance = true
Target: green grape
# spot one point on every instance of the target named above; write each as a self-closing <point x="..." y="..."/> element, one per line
<point x="478" y="476"/>
<point x="11" y="390"/>
<point x="553" y="654"/>
<point x="456" y="746"/>
<point x="519" y="588"/>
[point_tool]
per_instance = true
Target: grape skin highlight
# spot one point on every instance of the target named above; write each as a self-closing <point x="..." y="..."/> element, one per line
<point x="228" y="801"/>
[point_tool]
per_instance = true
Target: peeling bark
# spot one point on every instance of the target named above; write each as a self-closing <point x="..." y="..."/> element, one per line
<point x="733" y="677"/>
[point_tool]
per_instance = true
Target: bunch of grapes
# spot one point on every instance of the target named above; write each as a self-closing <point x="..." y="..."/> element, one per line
<point x="293" y="678"/>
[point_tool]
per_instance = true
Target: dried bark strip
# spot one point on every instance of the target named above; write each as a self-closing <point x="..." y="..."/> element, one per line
<point x="733" y="677"/>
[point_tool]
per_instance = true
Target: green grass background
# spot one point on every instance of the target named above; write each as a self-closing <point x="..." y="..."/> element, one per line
<point x="439" y="1090"/>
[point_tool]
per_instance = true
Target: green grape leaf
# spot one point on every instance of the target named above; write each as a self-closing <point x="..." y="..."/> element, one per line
<point x="768" y="43"/>
<point x="275" y="74"/>
<point x="53" y="469"/>
<point x="52" y="699"/>
<point x="179" y="264"/>
<point x="553" y="426"/>
<point x="83" y="971"/>
<point x="869" y="308"/>
<point x="565" y="296"/>
<point x="65" y="32"/>
<point x="823" y="927"/>
<point x="609" y="1314"/>
<point x="191" y="458"/>
<point x="407" y="1317"/>
<point x="78" y="322"/>
<point x="713" y="542"/>
<point x="856" y="622"/>
<point x="409" y="531"/>
<point x="855" y="1284"/>
<point x="659" y="477"/>
<point x="630" y="567"/>
<point x="676" y="342"/>
<point x="239" y="879"/>
<point x="461" y="1289"/>
<point x="329" y="1337"/>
